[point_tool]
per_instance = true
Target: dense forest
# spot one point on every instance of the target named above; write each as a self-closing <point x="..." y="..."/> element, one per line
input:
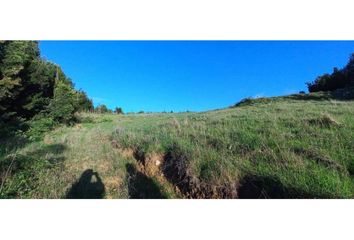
<point x="35" y="94"/>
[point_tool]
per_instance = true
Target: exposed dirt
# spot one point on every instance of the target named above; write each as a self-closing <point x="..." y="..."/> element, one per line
<point x="176" y="170"/>
<point x="151" y="165"/>
<point x="146" y="168"/>
<point x="127" y="153"/>
<point x="112" y="183"/>
<point x="172" y="168"/>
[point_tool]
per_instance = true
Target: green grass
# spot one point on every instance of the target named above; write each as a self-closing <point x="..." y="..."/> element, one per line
<point x="299" y="146"/>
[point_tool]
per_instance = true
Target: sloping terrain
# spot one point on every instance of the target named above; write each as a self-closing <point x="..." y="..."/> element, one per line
<point x="298" y="146"/>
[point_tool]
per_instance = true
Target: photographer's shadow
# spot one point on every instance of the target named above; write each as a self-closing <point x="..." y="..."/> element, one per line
<point x="89" y="186"/>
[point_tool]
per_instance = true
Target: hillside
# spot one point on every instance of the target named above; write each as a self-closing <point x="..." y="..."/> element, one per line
<point x="298" y="146"/>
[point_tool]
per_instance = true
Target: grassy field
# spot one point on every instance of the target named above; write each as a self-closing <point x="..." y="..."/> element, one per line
<point x="299" y="146"/>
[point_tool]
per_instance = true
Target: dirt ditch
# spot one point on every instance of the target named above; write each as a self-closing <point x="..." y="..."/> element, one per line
<point x="173" y="168"/>
<point x="170" y="168"/>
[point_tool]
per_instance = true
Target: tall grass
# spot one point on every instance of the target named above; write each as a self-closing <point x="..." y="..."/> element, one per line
<point x="307" y="147"/>
<point x="287" y="147"/>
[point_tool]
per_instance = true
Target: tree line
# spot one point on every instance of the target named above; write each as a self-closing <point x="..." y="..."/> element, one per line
<point x="339" y="78"/>
<point x="102" y="108"/>
<point x="35" y="92"/>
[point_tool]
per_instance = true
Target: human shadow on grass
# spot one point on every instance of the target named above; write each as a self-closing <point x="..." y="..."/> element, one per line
<point x="258" y="187"/>
<point x="89" y="186"/>
<point x="141" y="186"/>
<point x="267" y="187"/>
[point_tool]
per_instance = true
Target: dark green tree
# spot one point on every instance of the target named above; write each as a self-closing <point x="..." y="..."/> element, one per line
<point x="340" y="78"/>
<point x="83" y="103"/>
<point x="15" y="57"/>
<point x="62" y="106"/>
<point x="32" y="88"/>
<point x="102" y="109"/>
<point x="118" y="110"/>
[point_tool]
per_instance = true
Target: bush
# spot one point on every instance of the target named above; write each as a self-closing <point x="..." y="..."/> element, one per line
<point x="338" y="79"/>
<point x="85" y="119"/>
<point x="39" y="126"/>
<point x="118" y="110"/>
<point x="102" y="109"/>
<point x="328" y="82"/>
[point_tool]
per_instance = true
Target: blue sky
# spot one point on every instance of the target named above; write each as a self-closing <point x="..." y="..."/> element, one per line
<point x="192" y="75"/>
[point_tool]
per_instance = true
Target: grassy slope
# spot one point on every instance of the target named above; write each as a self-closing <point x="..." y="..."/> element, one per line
<point x="288" y="147"/>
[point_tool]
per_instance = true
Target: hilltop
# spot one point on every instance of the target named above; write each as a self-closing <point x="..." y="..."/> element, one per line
<point x="297" y="146"/>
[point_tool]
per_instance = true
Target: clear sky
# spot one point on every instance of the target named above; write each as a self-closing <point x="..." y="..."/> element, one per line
<point x="192" y="75"/>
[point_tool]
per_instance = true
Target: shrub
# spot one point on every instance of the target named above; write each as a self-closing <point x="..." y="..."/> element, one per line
<point x="338" y="79"/>
<point x="39" y="126"/>
<point x="118" y="110"/>
<point x="102" y="109"/>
